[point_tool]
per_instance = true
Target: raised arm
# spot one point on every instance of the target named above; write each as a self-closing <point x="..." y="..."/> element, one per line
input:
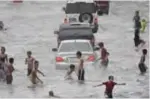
<point x="40" y="72"/>
<point x="121" y="84"/>
<point x="98" y="85"/>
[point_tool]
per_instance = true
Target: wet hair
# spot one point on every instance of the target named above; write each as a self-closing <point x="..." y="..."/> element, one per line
<point x="11" y="60"/>
<point x="51" y="93"/>
<point x="36" y="62"/>
<point x="79" y="53"/>
<point x="72" y="66"/>
<point x="144" y="51"/>
<point x="137" y="12"/>
<point x="29" y="52"/>
<point x="101" y="44"/>
<point x="3" y="48"/>
<point x="111" y="77"/>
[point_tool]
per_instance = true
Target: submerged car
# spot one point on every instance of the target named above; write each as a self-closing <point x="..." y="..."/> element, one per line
<point x="75" y="31"/>
<point x="66" y="53"/>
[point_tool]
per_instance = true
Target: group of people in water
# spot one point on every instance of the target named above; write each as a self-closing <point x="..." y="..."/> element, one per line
<point x="7" y="68"/>
<point x="104" y="62"/>
<point x="139" y="26"/>
<point x="32" y="70"/>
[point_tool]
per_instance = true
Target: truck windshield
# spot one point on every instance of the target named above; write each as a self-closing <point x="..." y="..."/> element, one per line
<point x="80" y="7"/>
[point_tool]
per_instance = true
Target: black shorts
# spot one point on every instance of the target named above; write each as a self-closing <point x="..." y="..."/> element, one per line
<point x="109" y="95"/>
<point x="81" y="74"/>
<point x="9" y="79"/>
<point x="29" y="71"/>
<point x="142" y="67"/>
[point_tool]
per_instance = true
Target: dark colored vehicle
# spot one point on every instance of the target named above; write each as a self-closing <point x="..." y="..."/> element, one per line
<point x="102" y="7"/>
<point x="74" y="31"/>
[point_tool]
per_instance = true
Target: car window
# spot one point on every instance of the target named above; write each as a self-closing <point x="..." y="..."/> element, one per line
<point x="75" y="46"/>
<point x="80" y="7"/>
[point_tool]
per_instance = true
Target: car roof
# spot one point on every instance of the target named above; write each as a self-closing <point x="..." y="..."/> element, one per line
<point x="75" y="25"/>
<point x="74" y="33"/>
<point x="78" y="40"/>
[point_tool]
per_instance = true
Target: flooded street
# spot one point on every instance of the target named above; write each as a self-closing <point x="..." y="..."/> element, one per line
<point x="31" y="26"/>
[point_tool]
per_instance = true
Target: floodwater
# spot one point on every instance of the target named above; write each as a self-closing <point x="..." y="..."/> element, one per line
<point x="30" y="27"/>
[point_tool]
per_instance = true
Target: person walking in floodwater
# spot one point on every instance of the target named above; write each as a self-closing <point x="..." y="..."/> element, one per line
<point x="109" y="86"/>
<point x="81" y="64"/>
<point x="3" y="54"/>
<point x="9" y="70"/>
<point x="33" y="76"/>
<point x="30" y="62"/>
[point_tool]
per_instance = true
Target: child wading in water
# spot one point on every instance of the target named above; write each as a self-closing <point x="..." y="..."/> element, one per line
<point x="70" y="71"/>
<point x="142" y="66"/>
<point x="29" y="61"/>
<point x="104" y="54"/>
<point x="33" y="76"/>
<point x="81" y="66"/>
<point x="10" y="69"/>
<point x="143" y="25"/>
<point x="3" y="55"/>
<point x="109" y="86"/>
<point x="3" y="69"/>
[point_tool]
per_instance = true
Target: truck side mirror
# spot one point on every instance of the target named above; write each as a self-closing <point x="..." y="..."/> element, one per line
<point x="54" y="49"/>
<point x="56" y="32"/>
<point x="64" y="9"/>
